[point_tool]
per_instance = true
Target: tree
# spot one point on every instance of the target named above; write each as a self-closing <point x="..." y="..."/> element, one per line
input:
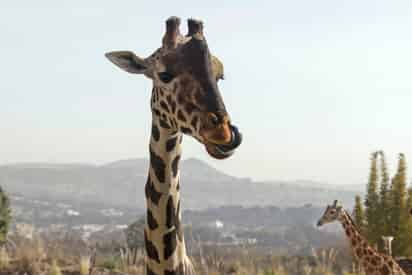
<point x="406" y="227"/>
<point x="398" y="206"/>
<point x="359" y="214"/>
<point x="384" y="197"/>
<point x="372" y="203"/>
<point x="5" y="216"/>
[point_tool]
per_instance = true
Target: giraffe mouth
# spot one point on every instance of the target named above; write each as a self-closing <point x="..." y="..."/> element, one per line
<point x="222" y="151"/>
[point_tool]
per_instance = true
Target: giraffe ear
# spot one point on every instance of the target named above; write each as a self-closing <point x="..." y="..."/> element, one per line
<point x="128" y="61"/>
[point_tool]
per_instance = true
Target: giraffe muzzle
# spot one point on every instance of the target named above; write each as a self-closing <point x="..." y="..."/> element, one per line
<point x="222" y="151"/>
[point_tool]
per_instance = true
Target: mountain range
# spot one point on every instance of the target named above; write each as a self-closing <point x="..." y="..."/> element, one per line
<point x="121" y="183"/>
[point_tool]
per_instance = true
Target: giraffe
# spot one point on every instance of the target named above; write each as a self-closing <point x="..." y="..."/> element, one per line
<point x="185" y="101"/>
<point x="373" y="262"/>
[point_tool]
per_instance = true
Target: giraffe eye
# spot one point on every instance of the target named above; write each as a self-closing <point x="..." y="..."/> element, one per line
<point x="165" y="77"/>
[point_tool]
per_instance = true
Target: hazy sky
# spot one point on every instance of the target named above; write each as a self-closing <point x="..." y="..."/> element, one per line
<point x="315" y="86"/>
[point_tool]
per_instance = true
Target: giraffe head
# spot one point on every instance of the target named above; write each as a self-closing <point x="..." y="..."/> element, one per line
<point x="332" y="213"/>
<point x="185" y="96"/>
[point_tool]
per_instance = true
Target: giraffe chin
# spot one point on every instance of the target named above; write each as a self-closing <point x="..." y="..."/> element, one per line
<point x="215" y="152"/>
<point x="222" y="151"/>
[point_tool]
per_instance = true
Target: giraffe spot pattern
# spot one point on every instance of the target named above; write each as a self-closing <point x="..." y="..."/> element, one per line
<point x="189" y="108"/>
<point x="194" y="123"/>
<point x="157" y="165"/>
<point x="171" y="103"/>
<point x="156" y="111"/>
<point x="164" y="106"/>
<point x="151" y="221"/>
<point x="186" y="130"/>
<point x="170" y="243"/>
<point x="172" y="218"/>
<point x="155" y="132"/>
<point x="385" y="270"/>
<point x="175" y="164"/>
<point x="164" y="124"/>
<point x="151" y="249"/>
<point x="151" y="192"/>
<point x="181" y="116"/>
<point x="170" y="213"/>
<point x="171" y="143"/>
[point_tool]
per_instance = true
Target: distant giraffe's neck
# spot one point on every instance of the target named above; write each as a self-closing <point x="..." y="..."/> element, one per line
<point x="372" y="261"/>
<point x="165" y="247"/>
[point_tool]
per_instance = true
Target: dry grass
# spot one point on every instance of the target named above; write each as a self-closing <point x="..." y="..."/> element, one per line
<point x="68" y="257"/>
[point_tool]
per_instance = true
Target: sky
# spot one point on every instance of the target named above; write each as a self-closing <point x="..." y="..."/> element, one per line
<point x="314" y="86"/>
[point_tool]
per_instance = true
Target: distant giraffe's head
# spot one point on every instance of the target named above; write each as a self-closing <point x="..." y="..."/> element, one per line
<point x="332" y="213"/>
<point x="186" y="97"/>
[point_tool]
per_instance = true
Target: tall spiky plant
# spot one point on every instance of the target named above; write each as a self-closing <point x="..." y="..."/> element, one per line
<point x="398" y="205"/>
<point x="384" y="197"/>
<point x="372" y="202"/>
<point x="5" y="216"/>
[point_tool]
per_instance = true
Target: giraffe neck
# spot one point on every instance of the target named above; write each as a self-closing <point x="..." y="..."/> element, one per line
<point x="165" y="247"/>
<point x="371" y="260"/>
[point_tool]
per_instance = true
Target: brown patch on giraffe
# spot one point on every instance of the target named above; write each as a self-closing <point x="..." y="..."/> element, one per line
<point x="151" y="221"/>
<point x="190" y="107"/>
<point x="171" y="144"/>
<point x="155" y="132"/>
<point x="170" y="243"/>
<point x="194" y="123"/>
<point x="385" y="270"/>
<point x="353" y="242"/>
<point x="164" y="106"/>
<point x="171" y="216"/>
<point x="359" y="252"/>
<point x="151" y="192"/>
<point x="186" y="130"/>
<point x="181" y="116"/>
<point x="175" y="165"/>
<point x="151" y="249"/>
<point x="158" y="166"/>
<point x="156" y="111"/>
<point x="164" y="124"/>
<point x="171" y="103"/>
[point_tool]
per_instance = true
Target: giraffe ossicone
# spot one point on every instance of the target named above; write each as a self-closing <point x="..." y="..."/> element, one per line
<point x="372" y="261"/>
<point x="185" y="101"/>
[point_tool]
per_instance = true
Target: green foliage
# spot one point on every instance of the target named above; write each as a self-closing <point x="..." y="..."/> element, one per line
<point x="385" y="197"/>
<point x="398" y="206"/>
<point x="387" y="206"/>
<point x="372" y="202"/>
<point x="359" y="214"/>
<point x="5" y="216"/>
<point x="110" y="264"/>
